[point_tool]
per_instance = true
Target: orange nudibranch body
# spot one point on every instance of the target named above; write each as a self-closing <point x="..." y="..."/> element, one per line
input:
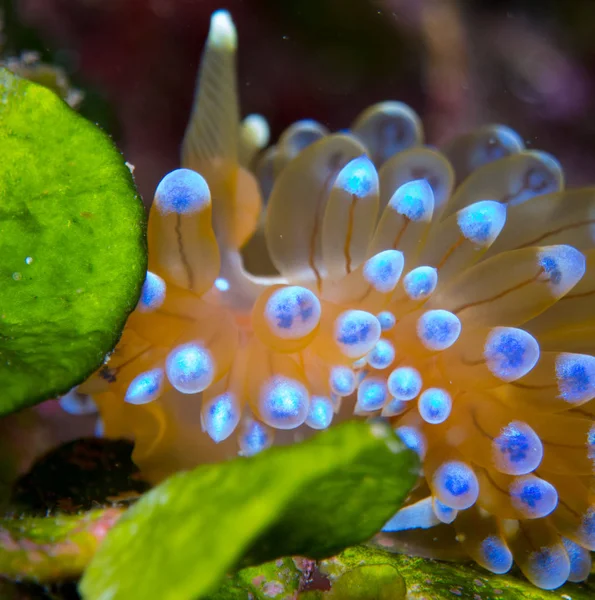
<point x="458" y="304"/>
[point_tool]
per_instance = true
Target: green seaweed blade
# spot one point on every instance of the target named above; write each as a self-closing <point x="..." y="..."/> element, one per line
<point x="72" y="244"/>
<point x="313" y="498"/>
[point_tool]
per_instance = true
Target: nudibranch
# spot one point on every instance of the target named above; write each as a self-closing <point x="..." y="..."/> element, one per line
<point x="449" y="291"/>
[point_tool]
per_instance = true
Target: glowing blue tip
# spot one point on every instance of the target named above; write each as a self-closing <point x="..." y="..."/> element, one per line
<point x="413" y="438"/>
<point x="292" y="312"/>
<point x="444" y="513"/>
<point x="222" y="33"/>
<point x="358" y="177"/>
<point x="254" y="437"/>
<point x="356" y="332"/>
<point x="222" y="284"/>
<point x="455" y="484"/>
<point x="182" y="192"/>
<point x="510" y="353"/>
<point x="415" y="516"/>
<point x="576" y="377"/>
<point x="482" y="222"/>
<point x="283" y="403"/>
<point x="533" y="497"/>
<point x="145" y="387"/>
<point x="563" y="267"/>
<point x="517" y="450"/>
<point x="382" y="355"/>
<point x="434" y="405"/>
<point x="75" y="403"/>
<point x="221" y="417"/>
<point x="438" y="329"/>
<point x="383" y="270"/>
<point x="371" y="395"/>
<point x="320" y="413"/>
<point x="387" y="320"/>
<point x="548" y="567"/>
<point x="496" y="557"/>
<point x="420" y="282"/>
<point x="258" y="128"/>
<point x="190" y="368"/>
<point x="342" y="381"/>
<point x="152" y="295"/>
<point x="404" y="383"/>
<point x="414" y="200"/>
<point x="580" y="561"/>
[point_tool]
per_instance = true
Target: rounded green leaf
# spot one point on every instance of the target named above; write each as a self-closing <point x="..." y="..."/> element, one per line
<point x="72" y="244"/>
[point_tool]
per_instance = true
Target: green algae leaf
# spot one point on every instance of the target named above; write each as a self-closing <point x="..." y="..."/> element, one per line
<point x="438" y="580"/>
<point x="72" y="244"/>
<point x="52" y="548"/>
<point x="314" y="498"/>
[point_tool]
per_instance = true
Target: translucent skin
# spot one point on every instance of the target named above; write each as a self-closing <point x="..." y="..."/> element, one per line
<point x="465" y="315"/>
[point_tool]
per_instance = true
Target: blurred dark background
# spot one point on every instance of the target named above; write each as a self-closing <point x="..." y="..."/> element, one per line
<point x="530" y="64"/>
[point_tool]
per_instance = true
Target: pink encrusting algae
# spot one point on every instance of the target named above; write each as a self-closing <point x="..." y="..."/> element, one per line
<point x="450" y="292"/>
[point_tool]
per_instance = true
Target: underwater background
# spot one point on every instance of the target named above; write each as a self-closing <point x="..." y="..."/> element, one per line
<point x="458" y="63"/>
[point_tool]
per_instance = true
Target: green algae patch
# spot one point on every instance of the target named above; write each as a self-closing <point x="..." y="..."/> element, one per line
<point x="381" y="582"/>
<point x="312" y="499"/>
<point x="438" y="580"/>
<point x="371" y="573"/>
<point x="290" y="578"/>
<point x="72" y="245"/>
<point x="275" y="580"/>
<point x="52" y="548"/>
